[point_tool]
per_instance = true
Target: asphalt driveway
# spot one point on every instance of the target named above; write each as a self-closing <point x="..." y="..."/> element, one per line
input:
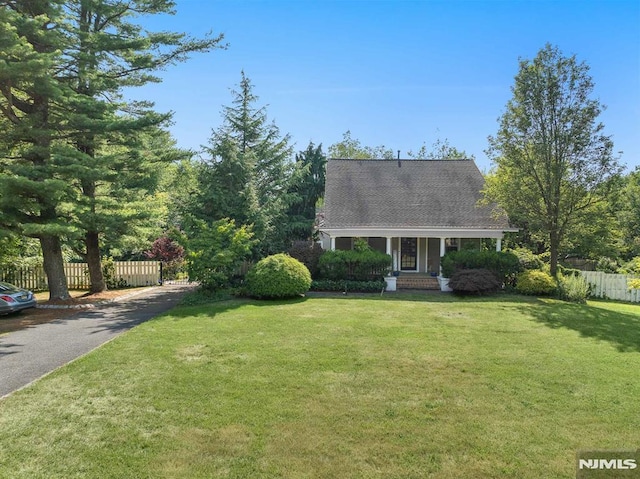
<point x="29" y="354"/>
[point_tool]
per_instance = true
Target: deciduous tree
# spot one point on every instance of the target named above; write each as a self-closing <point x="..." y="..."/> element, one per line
<point x="440" y="150"/>
<point x="553" y="161"/>
<point x="351" y="149"/>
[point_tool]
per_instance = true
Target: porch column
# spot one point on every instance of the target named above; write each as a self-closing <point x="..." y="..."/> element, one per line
<point x="443" y="250"/>
<point x="499" y="244"/>
<point x="333" y="243"/>
<point x="388" y="245"/>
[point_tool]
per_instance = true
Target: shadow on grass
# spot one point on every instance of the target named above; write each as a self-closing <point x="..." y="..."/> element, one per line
<point x="198" y="304"/>
<point x="425" y="296"/>
<point x="620" y="329"/>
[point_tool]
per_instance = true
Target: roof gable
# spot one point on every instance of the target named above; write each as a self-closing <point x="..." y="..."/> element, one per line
<point x="406" y="194"/>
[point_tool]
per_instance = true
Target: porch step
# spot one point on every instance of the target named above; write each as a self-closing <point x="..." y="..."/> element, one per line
<point x="406" y="281"/>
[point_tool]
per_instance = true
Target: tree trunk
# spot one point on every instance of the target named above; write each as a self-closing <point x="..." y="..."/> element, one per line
<point x="96" y="278"/>
<point x="554" y="247"/>
<point x="54" y="267"/>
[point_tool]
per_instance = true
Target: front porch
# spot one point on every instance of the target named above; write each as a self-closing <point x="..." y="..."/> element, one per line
<point x="418" y="255"/>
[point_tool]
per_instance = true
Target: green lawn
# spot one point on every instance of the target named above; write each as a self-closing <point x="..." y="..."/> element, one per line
<point x="392" y="387"/>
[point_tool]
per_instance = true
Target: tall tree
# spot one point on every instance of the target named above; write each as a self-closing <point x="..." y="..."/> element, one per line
<point x="67" y="105"/>
<point x="32" y="187"/>
<point x="109" y="51"/>
<point x="246" y="177"/>
<point x="307" y="187"/>
<point x="553" y="161"/>
<point x="628" y="212"/>
<point x="227" y="185"/>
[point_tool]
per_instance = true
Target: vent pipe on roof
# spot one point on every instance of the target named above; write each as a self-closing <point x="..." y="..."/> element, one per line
<point x="399" y="164"/>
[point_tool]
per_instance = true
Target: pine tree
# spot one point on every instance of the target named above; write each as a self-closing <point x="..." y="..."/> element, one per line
<point x="307" y="187"/>
<point x="32" y="185"/>
<point x="248" y="143"/>
<point x="65" y="65"/>
<point x="111" y="51"/>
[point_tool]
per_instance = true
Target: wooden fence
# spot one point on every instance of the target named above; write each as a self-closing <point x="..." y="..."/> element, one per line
<point x="612" y="286"/>
<point x="133" y="273"/>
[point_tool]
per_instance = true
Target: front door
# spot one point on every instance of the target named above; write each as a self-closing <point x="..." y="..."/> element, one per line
<point x="409" y="254"/>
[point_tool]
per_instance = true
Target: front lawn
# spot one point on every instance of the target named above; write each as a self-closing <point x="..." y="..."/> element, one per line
<point x="392" y="387"/>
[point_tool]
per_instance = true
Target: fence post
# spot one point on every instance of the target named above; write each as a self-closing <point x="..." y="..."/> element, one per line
<point x="161" y="282"/>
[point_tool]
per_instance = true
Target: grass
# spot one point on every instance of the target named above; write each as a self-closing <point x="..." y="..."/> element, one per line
<point x="392" y="387"/>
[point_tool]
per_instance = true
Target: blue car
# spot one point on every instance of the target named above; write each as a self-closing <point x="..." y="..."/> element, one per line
<point x="13" y="299"/>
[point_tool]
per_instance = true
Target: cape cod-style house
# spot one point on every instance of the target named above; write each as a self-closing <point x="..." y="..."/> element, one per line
<point x="414" y="210"/>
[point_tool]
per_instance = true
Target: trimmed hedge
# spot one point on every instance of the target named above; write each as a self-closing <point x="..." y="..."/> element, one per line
<point x="474" y="281"/>
<point x="503" y="265"/>
<point x="354" y="265"/>
<point x="352" y="286"/>
<point x="535" y="283"/>
<point x="278" y="276"/>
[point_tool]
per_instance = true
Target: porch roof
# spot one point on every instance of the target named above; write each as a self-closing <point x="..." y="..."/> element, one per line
<point x="427" y="195"/>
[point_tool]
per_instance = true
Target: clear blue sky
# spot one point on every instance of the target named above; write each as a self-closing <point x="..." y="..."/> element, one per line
<point x="395" y="73"/>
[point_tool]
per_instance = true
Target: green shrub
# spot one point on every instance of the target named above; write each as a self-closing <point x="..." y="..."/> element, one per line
<point x="278" y="276"/>
<point x="216" y="251"/>
<point x="354" y="265"/>
<point x="109" y="274"/>
<point x="474" y="281"/>
<point x="308" y="253"/>
<point x="573" y="288"/>
<point x="349" y="286"/>
<point x="631" y="267"/>
<point x="535" y="283"/>
<point x="360" y="245"/>
<point x="504" y="265"/>
<point x="607" y="265"/>
<point x="527" y="259"/>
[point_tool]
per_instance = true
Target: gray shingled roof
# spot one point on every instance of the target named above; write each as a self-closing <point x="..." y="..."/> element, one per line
<point x="418" y="194"/>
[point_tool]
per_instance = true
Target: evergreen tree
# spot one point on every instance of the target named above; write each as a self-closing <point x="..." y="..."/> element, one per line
<point x="33" y="188"/>
<point x="65" y="64"/>
<point x="307" y="188"/>
<point x="246" y="178"/>
<point x="227" y="184"/>
<point x="109" y="52"/>
<point x="628" y="208"/>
